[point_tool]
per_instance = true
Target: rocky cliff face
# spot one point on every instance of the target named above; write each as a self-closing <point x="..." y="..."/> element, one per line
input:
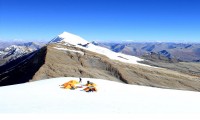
<point x="23" y="68"/>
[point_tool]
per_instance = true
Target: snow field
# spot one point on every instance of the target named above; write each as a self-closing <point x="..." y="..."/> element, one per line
<point x="46" y="96"/>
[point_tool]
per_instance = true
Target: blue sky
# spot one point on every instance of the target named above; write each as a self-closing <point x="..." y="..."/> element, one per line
<point x="101" y="20"/>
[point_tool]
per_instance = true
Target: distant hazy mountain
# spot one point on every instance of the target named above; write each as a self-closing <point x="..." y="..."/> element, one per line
<point x="189" y="52"/>
<point x="7" y="44"/>
<point x="15" y="51"/>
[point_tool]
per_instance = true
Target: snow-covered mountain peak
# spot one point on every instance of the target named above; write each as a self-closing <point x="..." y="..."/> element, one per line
<point x="69" y="38"/>
<point x="66" y="34"/>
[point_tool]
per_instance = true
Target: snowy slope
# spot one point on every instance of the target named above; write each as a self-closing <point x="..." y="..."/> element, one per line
<point x="46" y="96"/>
<point x="71" y="39"/>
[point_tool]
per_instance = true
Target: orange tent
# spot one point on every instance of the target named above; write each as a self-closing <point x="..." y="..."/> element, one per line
<point x="90" y="89"/>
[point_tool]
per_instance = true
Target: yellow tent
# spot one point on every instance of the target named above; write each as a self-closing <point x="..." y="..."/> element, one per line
<point x="70" y="85"/>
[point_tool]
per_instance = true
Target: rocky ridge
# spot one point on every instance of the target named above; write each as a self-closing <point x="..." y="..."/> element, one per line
<point x="66" y="59"/>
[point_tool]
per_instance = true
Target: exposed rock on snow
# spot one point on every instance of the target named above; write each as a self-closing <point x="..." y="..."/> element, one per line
<point x="75" y="51"/>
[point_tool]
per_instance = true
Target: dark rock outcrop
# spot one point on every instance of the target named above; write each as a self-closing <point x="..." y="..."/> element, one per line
<point x="22" y="69"/>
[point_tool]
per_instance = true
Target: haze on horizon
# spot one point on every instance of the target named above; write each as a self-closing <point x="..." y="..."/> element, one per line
<point x="101" y="20"/>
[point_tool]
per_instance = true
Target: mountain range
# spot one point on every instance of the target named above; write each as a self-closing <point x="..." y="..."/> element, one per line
<point x="69" y="55"/>
<point x="187" y="52"/>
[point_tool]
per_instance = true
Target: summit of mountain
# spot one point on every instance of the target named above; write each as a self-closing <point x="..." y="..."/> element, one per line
<point x="69" y="38"/>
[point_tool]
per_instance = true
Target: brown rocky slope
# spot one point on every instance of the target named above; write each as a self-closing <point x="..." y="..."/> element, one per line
<point x="85" y="63"/>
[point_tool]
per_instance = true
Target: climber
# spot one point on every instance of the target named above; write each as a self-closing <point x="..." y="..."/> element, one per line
<point x="80" y="80"/>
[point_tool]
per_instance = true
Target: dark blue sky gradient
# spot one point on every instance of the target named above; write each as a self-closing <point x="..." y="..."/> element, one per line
<point x="104" y="20"/>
